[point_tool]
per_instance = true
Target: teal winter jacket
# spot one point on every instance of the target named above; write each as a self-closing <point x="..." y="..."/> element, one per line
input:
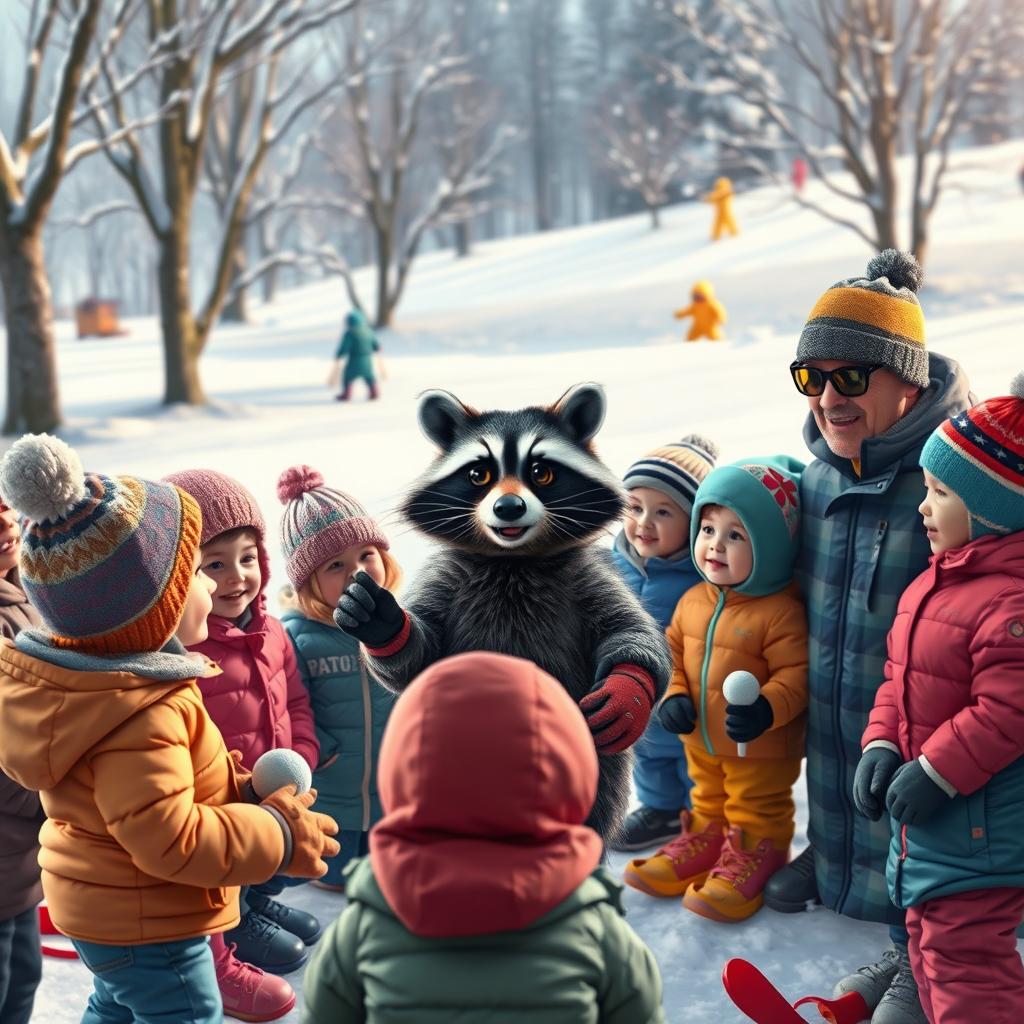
<point x="350" y="710"/>
<point x="357" y="346"/>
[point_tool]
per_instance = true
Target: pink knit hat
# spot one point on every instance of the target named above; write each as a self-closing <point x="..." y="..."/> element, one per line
<point x="226" y="505"/>
<point x="319" y="522"/>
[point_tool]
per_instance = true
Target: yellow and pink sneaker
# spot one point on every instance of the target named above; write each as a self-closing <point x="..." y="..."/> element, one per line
<point x="733" y="889"/>
<point x="685" y="860"/>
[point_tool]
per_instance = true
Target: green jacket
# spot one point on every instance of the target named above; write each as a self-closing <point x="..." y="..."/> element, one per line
<point x="580" y="962"/>
<point x="357" y="346"/>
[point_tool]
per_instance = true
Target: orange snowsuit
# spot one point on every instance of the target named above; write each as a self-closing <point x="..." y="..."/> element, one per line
<point x="707" y="312"/>
<point x="721" y="196"/>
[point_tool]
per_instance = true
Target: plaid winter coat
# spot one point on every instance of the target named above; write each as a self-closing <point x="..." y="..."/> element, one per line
<point x="862" y="543"/>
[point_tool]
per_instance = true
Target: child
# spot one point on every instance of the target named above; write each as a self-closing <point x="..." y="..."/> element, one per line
<point x="358" y="344"/>
<point x="482" y="897"/>
<point x="259" y="703"/>
<point x="652" y="554"/>
<point x="746" y="616"/>
<point x="944" y="744"/>
<point x="327" y="538"/>
<point x="707" y="312"/>
<point x="146" y="838"/>
<point x="20" y="817"/>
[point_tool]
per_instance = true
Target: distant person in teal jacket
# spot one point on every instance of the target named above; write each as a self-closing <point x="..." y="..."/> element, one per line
<point x="357" y="347"/>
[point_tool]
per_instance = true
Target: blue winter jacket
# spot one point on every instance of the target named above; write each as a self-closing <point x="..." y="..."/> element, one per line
<point x="350" y="710"/>
<point x="658" y="582"/>
<point x="862" y="543"/>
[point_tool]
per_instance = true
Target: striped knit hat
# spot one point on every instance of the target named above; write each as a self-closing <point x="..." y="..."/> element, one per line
<point x="875" y="320"/>
<point x="676" y="469"/>
<point x="106" y="561"/>
<point x="319" y="522"/>
<point x="979" y="456"/>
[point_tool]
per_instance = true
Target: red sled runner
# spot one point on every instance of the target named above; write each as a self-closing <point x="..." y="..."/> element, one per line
<point x="763" y="1003"/>
<point x="47" y="927"/>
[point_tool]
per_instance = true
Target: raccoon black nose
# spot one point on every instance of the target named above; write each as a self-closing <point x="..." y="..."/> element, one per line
<point x="509" y="507"/>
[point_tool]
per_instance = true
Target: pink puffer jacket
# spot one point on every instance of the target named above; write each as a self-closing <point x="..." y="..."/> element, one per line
<point x="259" y="702"/>
<point x="954" y="685"/>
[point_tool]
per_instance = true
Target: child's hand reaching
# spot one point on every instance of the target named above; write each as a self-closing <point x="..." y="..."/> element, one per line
<point x="369" y="613"/>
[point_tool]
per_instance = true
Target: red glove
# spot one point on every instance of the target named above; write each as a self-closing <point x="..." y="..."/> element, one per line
<point x="618" y="707"/>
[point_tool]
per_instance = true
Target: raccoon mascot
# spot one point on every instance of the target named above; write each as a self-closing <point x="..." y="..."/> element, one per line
<point x="517" y="497"/>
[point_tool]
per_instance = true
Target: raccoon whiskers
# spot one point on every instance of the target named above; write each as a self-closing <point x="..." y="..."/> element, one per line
<point x="448" y="498"/>
<point x="577" y="494"/>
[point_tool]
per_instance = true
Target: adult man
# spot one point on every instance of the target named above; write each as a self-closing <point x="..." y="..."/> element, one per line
<point x="875" y="394"/>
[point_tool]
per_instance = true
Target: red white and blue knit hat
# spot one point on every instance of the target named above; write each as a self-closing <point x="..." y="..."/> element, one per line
<point x="319" y="522"/>
<point x="105" y="560"/>
<point x="979" y="456"/>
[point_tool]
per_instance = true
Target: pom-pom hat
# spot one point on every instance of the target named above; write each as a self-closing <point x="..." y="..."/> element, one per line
<point x="106" y="561"/>
<point x="319" y="522"/>
<point x="875" y="320"/>
<point x="675" y="470"/>
<point x="979" y="456"/>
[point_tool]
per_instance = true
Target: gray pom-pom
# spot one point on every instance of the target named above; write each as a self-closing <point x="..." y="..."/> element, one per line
<point x="42" y="478"/>
<point x="706" y="446"/>
<point x="1017" y="387"/>
<point x="901" y="268"/>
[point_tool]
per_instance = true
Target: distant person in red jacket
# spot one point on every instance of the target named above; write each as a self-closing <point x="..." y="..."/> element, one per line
<point x="799" y="173"/>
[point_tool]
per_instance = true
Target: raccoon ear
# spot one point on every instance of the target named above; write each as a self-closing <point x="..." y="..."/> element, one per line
<point x="440" y="415"/>
<point x="582" y="409"/>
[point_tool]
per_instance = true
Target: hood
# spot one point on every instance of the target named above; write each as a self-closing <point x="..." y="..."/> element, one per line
<point x="53" y="715"/>
<point x="705" y="289"/>
<point x="764" y="493"/>
<point x="11" y="592"/>
<point x="355" y="319"/>
<point x="987" y="555"/>
<point x="899" y="448"/>
<point x="623" y="547"/>
<point x="487" y="772"/>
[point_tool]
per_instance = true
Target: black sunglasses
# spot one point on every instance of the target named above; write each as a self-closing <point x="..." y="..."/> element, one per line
<point x="850" y="381"/>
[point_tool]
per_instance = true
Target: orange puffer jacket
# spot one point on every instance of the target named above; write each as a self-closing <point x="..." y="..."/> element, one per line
<point x="145" y="838"/>
<point x="715" y="631"/>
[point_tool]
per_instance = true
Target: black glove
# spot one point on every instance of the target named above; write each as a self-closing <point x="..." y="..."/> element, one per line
<point x="912" y="796"/>
<point x="874" y="773"/>
<point x="745" y="722"/>
<point x="369" y="612"/>
<point x="677" y="714"/>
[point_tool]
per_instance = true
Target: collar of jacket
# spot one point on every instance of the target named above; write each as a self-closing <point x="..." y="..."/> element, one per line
<point x="173" y="662"/>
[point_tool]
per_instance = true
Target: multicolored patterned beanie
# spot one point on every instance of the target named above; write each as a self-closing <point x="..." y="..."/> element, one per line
<point x="675" y="470"/>
<point x="106" y="561"/>
<point x="979" y="456"/>
<point x="875" y="320"/>
<point x="319" y="522"/>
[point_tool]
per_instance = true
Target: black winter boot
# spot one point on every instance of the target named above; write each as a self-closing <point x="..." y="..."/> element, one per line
<point x="793" y="887"/>
<point x="264" y="944"/>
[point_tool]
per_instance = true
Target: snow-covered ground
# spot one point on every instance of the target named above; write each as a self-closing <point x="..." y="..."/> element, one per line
<point x="516" y="324"/>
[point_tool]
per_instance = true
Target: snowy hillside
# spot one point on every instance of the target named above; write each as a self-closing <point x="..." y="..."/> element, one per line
<point x="517" y="323"/>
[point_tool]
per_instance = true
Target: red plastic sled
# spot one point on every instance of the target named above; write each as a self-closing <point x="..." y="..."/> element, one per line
<point x="47" y="927"/>
<point x="763" y="1003"/>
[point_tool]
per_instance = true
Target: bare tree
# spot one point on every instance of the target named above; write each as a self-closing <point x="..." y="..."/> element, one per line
<point x="32" y="163"/>
<point x="377" y="154"/>
<point x="879" y="75"/>
<point x="202" y="44"/>
<point x="643" y="143"/>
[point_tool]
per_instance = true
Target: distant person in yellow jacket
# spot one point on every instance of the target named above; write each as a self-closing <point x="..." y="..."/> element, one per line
<point x="707" y="312"/>
<point x="721" y="196"/>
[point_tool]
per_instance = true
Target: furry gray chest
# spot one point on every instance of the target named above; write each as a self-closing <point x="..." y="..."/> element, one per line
<point x="528" y="609"/>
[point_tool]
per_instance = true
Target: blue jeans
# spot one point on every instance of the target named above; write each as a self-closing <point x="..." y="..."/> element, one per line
<point x="155" y="983"/>
<point x="353" y="844"/>
<point x="659" y="769"/>
<point x="21" y="966"/>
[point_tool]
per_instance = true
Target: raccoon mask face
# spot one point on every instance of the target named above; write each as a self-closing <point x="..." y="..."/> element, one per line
<point x="522" y="482"/>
